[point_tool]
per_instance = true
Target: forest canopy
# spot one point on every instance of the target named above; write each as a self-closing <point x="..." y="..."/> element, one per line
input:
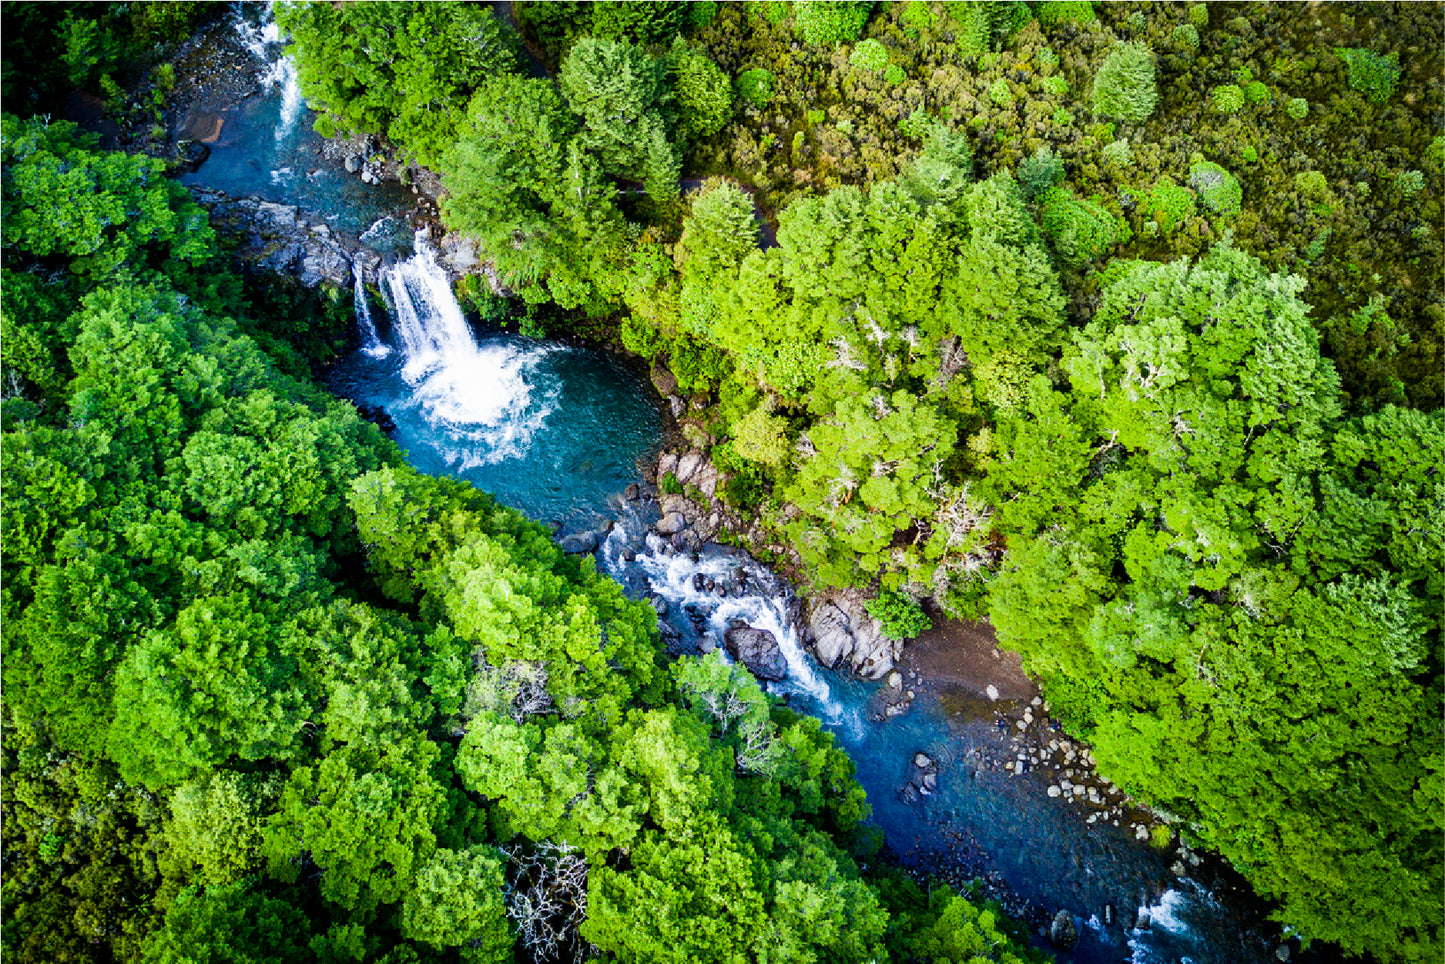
<point x="1119" y="325"/>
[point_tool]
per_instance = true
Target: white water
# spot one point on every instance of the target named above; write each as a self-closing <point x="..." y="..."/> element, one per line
<point x="370" y="342"/>
<point x="263" y="41"/>
<point x="375" y="228"/>
<point x="479" y="396"/>
<point x="763" y="605"/>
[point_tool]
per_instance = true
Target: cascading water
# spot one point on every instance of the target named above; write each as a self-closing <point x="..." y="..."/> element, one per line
<point x="554" y="431"/>
<point x="263" y="40"/>
<point x="371" y="344"/>
<point x="707" y="592"/>
<point x="559" y="432"/>
<point x="480" y="394"/>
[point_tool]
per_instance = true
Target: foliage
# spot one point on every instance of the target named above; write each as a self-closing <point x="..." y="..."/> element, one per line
<point x="1124" y="85"/>
<point x="1228" y="99"/>
<point x="755" y="86"/>
<point x="1118" y="153"/>
<point x="401" y="69"/>
<point x="1185" y="36"/>
<point x="1219" y="189"/>
<point x="617" y="91"/>
<point x="704" y="95"/>
<point x="1078" y="229"/>
<point x="869" y="55"/>
<point x="1370" y="73"/>
<point x="1039" y="172"/>
<point x="900" y="616"/>
<point x="830" y="23"/>
<point x="1256" y="92"/>
<point x="1052" y="12"/>
<point x="1208" y="381"/>
<point x="1168" y="204"/>
<point x="1298" y="108"/>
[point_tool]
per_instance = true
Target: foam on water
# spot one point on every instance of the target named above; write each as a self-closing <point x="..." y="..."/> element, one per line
<point x="263" y="41"/>
<point x="479" y="397"/>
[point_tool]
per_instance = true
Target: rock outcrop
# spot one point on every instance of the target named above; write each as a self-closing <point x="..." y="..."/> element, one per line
<point x="281" y="238"/>
<point x="841" y="631"/>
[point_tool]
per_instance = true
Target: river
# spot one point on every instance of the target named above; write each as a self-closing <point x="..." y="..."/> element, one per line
<point x="559" y="432"/>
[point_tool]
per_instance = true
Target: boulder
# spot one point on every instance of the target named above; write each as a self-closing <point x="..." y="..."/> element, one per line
<point x="1062" y="932"/>
<point x="353" y="164"/>
<point x="758" y="650"/>
<point x="677" y="406"/>
<point x="687" y="466"/>
<point x="841" y="628"/>
<point x="666" y="463"/>
<point x="190" y="155"/>
<point x="664" y="381"/>
<point x="632" y="493"/>
<point x="706" y="478"/>
<point x="580" y="542"/>
<point x="671" y="524"/>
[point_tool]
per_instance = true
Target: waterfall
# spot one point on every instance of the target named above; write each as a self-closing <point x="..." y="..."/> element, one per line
<point x="370" y="343"/>
<point x="477" y="395"/>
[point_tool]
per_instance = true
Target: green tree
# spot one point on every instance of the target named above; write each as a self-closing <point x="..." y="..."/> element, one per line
<point x="457" y="902"/>
<point x="1124" y="85"/>
<point x="404" y="69"/>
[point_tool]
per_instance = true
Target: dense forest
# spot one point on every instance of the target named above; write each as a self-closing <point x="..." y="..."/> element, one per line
<point x="1119" y="325"/>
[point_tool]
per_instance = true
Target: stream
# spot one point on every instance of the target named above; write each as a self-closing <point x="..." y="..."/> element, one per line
<point x="560" y="432"/>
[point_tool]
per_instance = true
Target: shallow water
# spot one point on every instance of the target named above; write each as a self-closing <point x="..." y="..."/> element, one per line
<point x="267" y="148"/>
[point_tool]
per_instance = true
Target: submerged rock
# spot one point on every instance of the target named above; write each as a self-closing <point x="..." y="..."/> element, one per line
<point x="1062" y="932"/>
<point x="758" y="650"/>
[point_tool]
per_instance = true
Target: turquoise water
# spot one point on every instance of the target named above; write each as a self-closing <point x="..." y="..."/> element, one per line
<point x="267" y="148"/>
<point x="559" y="432"/>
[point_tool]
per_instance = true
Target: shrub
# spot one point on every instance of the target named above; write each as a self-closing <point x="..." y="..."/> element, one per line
<point x="1079" y="229"/>
<point x="1000" y="94"/>
<point x="824" y="23"/>
<point x="1185" y="37"/>
<point x="1435" y="153"/>
<point x="755" y="86"/>
<point x="670" y="484"/>
<point x="1169" y="205"/>
<point x="1370" y="74"/>
<point x="1048" y="59"/>
<point x="1311" y="184"/>
<point x="816" y="116"/>
<point x="1198" y="14"/>
<point x="1038" y="173"/>
<point x="1124" y="86"/>
<point x="1410" y="182"/>
<point x="1056" y="85"/>
<point x="1228" y="99"/>
<point x="901" y="617"/>
<point x="1054" y="12"/>
<point x="1119" y="153"/>
<point x="1063" y="118"/>
<point x="1256" y="92"/>
<point x="869" y="55"/>
<point x="895" y="74"/>
<point x="1298" y="108"/>
<point x="1136" y="22"/>
<point x="1219" y="189"/>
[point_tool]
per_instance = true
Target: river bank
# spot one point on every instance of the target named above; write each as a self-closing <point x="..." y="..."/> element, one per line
<point x="1004" y="747"/>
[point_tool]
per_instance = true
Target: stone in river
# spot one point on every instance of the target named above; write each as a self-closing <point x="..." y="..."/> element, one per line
<point x="992" y="691"/>
<point x="758" y="650"/>
<point x="1062" y="933"/>
<point x="671" y="524"/>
